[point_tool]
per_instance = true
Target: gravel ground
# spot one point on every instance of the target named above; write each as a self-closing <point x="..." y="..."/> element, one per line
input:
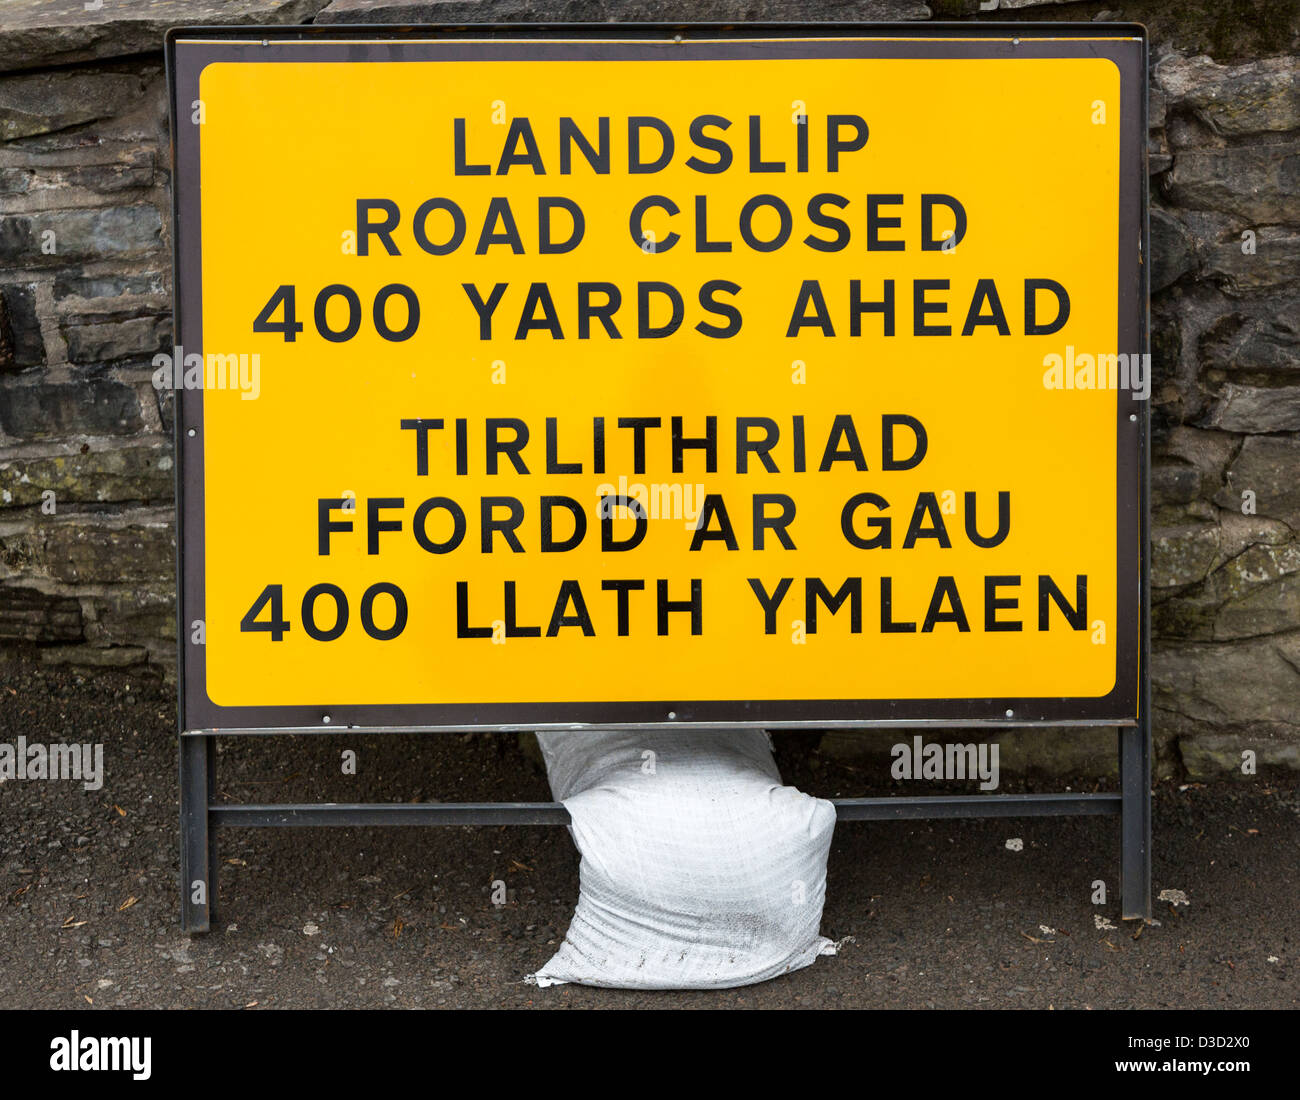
<point x="933" y="914"/>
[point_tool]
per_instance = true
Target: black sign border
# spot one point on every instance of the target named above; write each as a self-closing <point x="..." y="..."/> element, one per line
<point x="1124" y="44"/>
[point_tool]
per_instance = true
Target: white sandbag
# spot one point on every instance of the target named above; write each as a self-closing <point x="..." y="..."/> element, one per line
<point x="699" y="869"/>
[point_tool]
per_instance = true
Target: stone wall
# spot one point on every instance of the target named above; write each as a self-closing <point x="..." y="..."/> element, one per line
<point x="86" y="524"/>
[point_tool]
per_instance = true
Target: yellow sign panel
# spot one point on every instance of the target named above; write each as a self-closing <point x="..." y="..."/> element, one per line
<point x="583" y="385"/>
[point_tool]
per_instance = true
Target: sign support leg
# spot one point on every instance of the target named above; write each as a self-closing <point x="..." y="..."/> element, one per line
<point x="1135" y="819"/>
<point x="198" y="844"/>
<point x="210" y="766"/>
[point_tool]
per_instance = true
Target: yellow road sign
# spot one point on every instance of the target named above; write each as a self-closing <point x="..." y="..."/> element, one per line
<point x="552" y="381"/>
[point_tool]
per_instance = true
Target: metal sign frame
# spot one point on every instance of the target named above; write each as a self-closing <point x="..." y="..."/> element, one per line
<point x="201" y="721"/>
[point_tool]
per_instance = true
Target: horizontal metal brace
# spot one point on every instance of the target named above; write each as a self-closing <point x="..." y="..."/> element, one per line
<point x="390" y="813"/>
<point x="553" y="813"/>
<point x="975" y="805"/>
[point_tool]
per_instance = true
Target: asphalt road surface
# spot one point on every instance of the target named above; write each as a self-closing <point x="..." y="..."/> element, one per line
<point x="931" y="914"/>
